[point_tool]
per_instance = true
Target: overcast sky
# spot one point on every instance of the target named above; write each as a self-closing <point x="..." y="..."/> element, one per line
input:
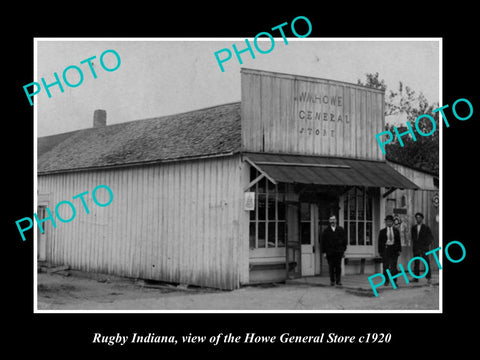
<point x="163" y="77"/>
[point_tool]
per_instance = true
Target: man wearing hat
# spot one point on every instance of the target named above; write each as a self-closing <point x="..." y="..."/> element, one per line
<point x="389" y="247"/>
<point x="422" y="237"/>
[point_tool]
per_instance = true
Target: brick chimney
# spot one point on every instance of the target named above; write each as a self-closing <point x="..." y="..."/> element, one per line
<point x="99" y="118"/>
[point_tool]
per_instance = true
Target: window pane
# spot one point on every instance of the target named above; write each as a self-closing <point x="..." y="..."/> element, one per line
<point x="368" y="239"/>
<point x="261" y="234"/>
<point x="252" y="213"/>
<point x="281" y="207"/>
<point x="271" y="206"/>
<point x="353" y="233"/>
<point x="305" y="233"/>
<point x="345" y="207"/>
<point x="369" y="206"/>
<point x="252" y="235"/>
<point x="261" y="206"/>
<point x="360" y="210"/>
<point x="305" y="211"/>
<point x="352" y="205"/>
<point x="361" y="235"/>
<point x="271" y="234"/>
<point x="271" y="186"/>
<point x="261" y="185"/>
<point x="281" y="234"/>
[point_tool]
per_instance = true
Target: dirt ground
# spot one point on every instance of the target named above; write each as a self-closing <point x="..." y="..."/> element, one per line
<point x="60" y="292"/>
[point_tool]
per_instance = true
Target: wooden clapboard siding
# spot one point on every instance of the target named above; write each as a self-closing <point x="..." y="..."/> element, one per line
<point x="347" y="131"/>
<point x="422" y="179"/>
<point x="272" y="120"/>
<point x="175" y="222"/>
<point x="418" y="201"/>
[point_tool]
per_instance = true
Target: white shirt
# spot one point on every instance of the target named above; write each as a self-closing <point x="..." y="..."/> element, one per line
<point x="390" y="236"/>
<point x="333" y="228"/>
<point x="418" y="229"/>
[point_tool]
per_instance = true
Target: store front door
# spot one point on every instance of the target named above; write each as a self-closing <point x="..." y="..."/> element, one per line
<point x="307" y="237"/>
<point x="313" y="221"/>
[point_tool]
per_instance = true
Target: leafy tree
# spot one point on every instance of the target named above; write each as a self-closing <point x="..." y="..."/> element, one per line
<point x="405" y="102"/>
<point x="373" y="81"/>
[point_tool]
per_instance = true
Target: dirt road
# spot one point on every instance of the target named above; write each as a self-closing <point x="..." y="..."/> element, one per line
<point x="57" y="292"/>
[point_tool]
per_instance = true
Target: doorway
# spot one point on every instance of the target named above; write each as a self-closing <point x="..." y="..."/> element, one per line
<point x="308" y="233"/>
<point x="313" y="221"/>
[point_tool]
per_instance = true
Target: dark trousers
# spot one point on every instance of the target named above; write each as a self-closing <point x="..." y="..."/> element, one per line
<point x="335" y="267"/>
<point x="390" y="258"/>
<point x="416" y="265"/>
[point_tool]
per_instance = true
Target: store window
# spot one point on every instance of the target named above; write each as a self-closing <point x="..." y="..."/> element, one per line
<point x="267" y="221"/>
<point x="357" y="216"/>
<point x="305" y="223"/>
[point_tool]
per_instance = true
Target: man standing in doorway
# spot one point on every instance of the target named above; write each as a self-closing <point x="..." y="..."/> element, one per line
<point x="334" y="244"/>
<point x="422" y="237"/>
<point x="389" y="247"/>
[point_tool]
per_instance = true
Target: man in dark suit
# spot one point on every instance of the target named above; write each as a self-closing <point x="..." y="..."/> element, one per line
<point x="422" y="237"/>
<point x="389" y="247"/>
<point x="334" y="244"/>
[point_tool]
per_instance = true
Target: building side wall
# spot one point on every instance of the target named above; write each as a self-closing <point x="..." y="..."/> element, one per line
<point x="422" y="179"/>
<point x="244" y="219"/>
<point x="406" y="203"/>
<point x="175" y="222"/>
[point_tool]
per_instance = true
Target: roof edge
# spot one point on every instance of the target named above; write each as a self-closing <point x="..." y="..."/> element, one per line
<point x="140" y="163"/>
<point x="414" y="168"/>
<point x="246" y="152"/>
<point x="307" y="78"/>
<point x="146" y="119"/>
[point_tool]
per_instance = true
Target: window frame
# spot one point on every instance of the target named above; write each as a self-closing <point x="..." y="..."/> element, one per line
<point x="270" y="191"/>
<point x="368" y="196"/>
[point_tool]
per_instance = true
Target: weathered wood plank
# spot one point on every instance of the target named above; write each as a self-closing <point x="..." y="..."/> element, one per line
<point x="311" y="119"/>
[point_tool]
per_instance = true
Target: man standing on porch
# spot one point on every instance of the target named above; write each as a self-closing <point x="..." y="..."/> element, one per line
<point x="334" y="244"/>
<point x="389" y="247"/>
<point x="422" y="237"/>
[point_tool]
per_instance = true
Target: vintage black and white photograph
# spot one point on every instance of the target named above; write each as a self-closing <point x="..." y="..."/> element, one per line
<point x="238" y="175"/>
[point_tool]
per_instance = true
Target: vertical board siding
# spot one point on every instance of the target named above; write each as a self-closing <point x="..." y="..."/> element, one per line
<point x="422" y="179"/>
<point x="299" y="115"/>
<point x="175" y="222"/>
<point x="243" y="231"/>
<point x="419" y="201"/>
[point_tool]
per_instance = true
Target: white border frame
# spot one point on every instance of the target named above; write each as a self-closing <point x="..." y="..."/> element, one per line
<point x="35" y="202"/>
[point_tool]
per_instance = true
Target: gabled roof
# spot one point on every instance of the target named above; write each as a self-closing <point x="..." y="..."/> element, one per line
<point x="210" y="131"/>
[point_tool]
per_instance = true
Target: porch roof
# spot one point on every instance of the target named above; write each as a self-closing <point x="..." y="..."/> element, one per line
<point x="321" y="170"/>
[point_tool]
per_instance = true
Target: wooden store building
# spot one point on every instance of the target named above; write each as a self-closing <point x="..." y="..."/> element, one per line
<point x="229" y="195"/>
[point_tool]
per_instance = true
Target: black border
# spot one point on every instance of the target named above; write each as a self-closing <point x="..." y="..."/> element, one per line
<point x="411" y="333"/>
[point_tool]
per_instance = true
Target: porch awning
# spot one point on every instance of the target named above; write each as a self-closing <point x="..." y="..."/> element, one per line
<point x="320" y="170"/>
